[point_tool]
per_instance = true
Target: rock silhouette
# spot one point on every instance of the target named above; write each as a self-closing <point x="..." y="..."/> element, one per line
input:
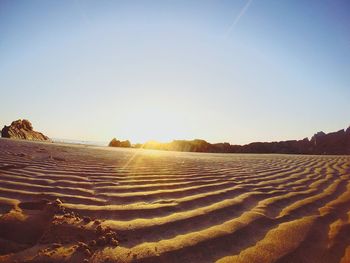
<point x="320" y="143"/>
<point x="116" y="143"/>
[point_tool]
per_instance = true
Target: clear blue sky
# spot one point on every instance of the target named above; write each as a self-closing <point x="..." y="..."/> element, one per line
<point x="236" y="71"/>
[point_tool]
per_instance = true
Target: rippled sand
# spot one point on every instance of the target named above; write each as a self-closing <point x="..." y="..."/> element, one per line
<point x="180" y="207"/>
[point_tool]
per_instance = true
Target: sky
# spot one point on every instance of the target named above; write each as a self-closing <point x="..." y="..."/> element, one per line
<point x="225" y="71"/>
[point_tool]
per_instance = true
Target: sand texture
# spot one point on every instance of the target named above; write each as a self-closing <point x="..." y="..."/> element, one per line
<point x="70" y="203"/>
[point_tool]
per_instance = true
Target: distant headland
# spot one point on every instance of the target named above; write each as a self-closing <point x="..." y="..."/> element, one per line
<point x="337" y="143"/>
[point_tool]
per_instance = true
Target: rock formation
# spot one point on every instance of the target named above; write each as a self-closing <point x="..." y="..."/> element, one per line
<point x="22" y="129"/>
<point x="116" y="143"/>
<point x="331" y="143"/>
<point x="321" y="143"/>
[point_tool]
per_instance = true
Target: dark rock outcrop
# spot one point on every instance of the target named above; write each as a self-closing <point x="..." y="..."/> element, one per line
<point x="22" y="129"/>
<point x="331" y="143"/>
<point x="321" y="143"/>
<point x="116" y="143"/>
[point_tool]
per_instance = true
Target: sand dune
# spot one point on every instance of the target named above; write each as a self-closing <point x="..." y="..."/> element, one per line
<point x="170" y="206"/>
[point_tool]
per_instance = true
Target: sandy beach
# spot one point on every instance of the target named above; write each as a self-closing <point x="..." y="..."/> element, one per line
<point x="134" y="205"/>
<point x="174" y="131"/>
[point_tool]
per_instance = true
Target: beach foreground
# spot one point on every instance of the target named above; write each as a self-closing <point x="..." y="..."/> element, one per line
<point x="71" y="203"/>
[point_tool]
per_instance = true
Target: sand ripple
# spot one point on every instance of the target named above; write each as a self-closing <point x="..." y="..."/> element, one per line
<point x="186" y="207"/>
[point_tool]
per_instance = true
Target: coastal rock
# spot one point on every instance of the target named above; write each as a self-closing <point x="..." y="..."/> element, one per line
<point x="116" y="143"/>
<point x="317" y="137"/>
<point x="332" y="143"/>
<point x="321" y="143"/>
<point x="22" y="129"/>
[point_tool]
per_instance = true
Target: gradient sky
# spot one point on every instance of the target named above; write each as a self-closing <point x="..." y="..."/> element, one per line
<point x="236" y="71"/>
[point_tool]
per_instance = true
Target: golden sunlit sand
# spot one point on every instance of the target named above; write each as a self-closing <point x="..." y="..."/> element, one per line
<point x="134" y="205"/>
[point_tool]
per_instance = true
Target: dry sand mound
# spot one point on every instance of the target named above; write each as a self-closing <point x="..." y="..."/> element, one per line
<point x="44" y="231"/>
<point x="170" y="207"/>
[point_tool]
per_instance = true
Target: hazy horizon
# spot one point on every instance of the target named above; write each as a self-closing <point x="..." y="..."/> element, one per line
<point x="223" y="71"/>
